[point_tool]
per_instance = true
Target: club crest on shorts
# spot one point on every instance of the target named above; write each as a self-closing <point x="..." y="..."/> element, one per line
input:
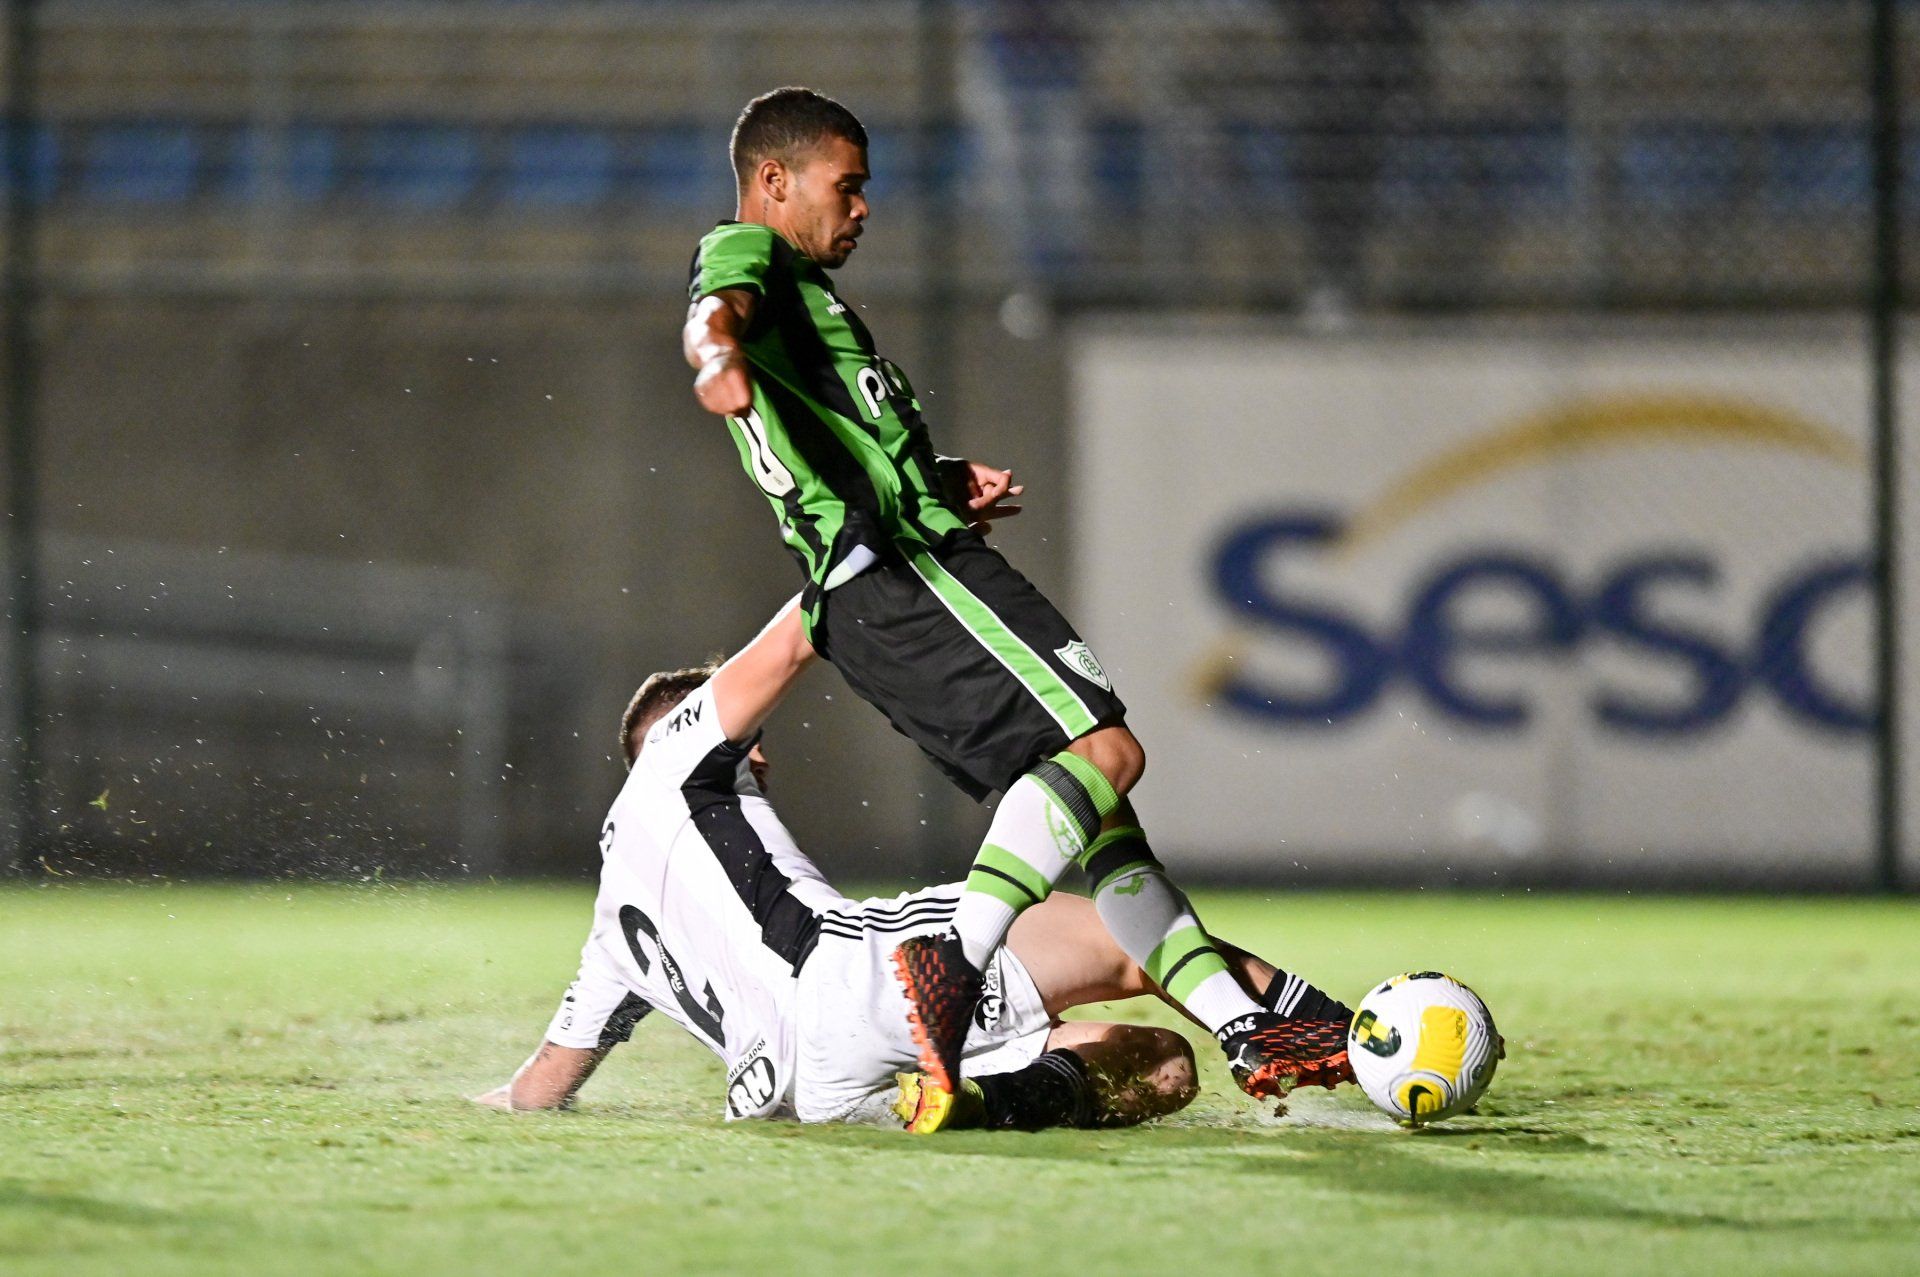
<point x="1081" y="660"/>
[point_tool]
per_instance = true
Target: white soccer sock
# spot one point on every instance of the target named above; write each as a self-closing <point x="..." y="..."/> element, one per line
<point x="1154" y="922"/>
<point x="1040" y="829"/>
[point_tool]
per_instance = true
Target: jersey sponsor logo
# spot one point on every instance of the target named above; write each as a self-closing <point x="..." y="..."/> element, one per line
<point x="986" y="1014"/>
<point x="707" y="1016"/>
<point x="1077" y="657"/>
<point x="877" y="383"/>
<point x="685" y="716"/>
<point x="834" y="305"/>
<point x="752" y="1085"/>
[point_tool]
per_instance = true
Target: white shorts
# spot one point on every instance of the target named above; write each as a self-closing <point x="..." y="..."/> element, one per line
<point x="851" y="1015"/>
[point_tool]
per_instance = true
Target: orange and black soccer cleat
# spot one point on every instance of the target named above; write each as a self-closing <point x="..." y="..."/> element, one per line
<point x="942" y="990"/>
<point x="1270" y="1056"/>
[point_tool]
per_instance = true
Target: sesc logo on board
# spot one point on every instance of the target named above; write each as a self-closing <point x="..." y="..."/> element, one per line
<point x="1556" y="611"/>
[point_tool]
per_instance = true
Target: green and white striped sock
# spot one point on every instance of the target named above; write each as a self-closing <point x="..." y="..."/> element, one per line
<point x="1041" y="828"/>
<point x="1154" y="922"/>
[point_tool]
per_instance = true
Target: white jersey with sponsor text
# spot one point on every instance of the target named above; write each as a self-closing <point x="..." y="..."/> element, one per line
<point x="705" y="913"/>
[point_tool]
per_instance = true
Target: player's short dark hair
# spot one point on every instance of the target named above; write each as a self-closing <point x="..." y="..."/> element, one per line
<point x="785" y="123"/>
<point x="660" y="693"/>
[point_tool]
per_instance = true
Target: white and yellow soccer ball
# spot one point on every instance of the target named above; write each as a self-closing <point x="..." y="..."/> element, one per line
<point x="1423" y="1047"/>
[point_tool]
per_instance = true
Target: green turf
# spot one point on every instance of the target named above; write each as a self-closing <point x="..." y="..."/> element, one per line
<point x="244" y="1079"/>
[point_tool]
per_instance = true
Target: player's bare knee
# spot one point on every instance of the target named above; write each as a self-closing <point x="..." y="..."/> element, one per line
<point x="1117" y="753"/>
<point x="1148" y="1072"/>
<point x="1179" y="1076"/>
<point x="1175" y="1076"/>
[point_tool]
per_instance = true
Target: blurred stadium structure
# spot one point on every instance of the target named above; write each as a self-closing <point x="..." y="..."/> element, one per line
<point x="343" y="377"/>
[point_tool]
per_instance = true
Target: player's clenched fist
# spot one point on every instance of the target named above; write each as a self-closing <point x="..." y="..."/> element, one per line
<point x="722" y="385"/>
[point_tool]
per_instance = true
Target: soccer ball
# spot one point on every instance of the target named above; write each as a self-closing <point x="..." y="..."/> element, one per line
<point x="1423" y="1047"/>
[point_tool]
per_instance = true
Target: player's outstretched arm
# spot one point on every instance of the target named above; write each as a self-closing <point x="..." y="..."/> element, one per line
<point x="549" y="1079"/>
<point x="756" y="678"/>
<point x="711" y="343"/>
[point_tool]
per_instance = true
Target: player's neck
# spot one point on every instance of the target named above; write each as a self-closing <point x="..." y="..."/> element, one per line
<point x="763" y="212"/>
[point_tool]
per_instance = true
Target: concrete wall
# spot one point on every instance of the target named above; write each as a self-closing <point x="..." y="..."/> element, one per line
<point x="553" y="448"/>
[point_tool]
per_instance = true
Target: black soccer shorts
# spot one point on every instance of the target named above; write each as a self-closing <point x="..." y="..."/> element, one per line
<point x="967" y="660"/>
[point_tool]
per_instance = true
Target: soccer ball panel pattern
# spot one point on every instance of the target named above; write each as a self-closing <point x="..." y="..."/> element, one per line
<point x="1424" y="1047"/>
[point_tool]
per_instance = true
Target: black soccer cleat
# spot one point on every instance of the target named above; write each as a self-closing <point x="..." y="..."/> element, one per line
<point x="942" y="990"/>
<point x="1270" y="1056"/>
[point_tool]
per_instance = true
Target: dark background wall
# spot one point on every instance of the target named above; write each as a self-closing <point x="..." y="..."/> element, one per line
<point x="553" y="450"/>
<point x="369" y="477"/>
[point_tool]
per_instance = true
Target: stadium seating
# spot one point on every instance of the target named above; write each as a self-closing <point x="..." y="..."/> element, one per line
<point x="1543" y="115"/>
<point x="42" y="162"/>
<point x="141" y="163"/>
<point x="443" y="165"/>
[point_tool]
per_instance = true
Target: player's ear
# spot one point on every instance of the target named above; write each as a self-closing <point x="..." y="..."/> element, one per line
<point x="773" y="178"/>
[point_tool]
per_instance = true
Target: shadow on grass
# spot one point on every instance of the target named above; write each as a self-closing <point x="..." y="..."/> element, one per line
<point x="42" y="1054"/>
<point x="16" y="1195"/>
<point x="1368" y="1164"/>
<point x="1519" y="1139"/>
<point x="88" y="1082"/>
<point x="1515" y="1194"/>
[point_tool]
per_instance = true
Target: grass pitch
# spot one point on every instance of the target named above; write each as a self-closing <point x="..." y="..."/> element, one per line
<point x="254" y="1079"/>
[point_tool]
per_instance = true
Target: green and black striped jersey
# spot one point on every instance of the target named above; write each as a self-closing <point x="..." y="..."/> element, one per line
<point x="835" y="438"/>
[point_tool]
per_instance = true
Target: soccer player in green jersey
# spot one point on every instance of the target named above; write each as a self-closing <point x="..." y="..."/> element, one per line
<point x="932" y="626"/>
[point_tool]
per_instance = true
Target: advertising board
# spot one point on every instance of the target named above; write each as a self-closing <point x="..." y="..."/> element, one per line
<point x="1479" y="605"/>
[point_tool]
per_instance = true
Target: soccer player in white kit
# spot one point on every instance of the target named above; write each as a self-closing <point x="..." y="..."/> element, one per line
<point x="708" y="914"/>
